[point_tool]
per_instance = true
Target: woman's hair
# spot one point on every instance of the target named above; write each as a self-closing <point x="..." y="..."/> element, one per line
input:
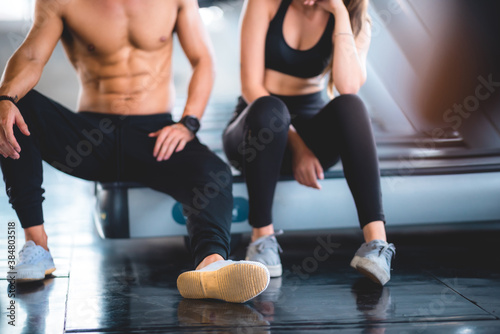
<point x="358" y="14"/>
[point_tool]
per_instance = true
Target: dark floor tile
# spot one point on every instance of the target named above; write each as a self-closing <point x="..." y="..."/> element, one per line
<point x="40" y="307"/>
<point x="131" y="285"/>
<point x="482" y="291"/>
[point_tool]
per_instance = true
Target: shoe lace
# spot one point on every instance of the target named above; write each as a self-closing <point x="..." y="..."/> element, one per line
<point x="268" y="241"/>
<point x="389" y="252"/>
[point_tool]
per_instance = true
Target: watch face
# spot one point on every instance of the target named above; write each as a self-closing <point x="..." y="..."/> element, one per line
<point x="192" y="123"/>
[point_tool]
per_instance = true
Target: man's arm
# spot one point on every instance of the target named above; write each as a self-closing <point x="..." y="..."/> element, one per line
<point x="196" y="45"/>
<point x="198" y="49"/>
<point x="24" y="69"/>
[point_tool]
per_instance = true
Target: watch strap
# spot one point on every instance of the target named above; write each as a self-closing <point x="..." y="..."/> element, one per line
<point x="8" y="98"/>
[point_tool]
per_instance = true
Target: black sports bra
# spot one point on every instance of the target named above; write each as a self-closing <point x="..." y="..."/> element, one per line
<point x="281" y="57"/>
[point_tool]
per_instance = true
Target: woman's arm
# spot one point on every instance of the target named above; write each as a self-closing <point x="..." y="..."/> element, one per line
<point x="254" y="25"/>
<point x="349" y="54"/>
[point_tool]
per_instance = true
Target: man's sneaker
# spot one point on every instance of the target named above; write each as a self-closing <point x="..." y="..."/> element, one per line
<point x="266" y="251"/>
<point x="34" y="263"/>
<point x="373" y="260"/>
<point x="231" y="281"/>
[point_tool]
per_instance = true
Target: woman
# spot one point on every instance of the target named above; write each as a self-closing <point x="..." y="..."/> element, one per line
<point x="282" y="124"/>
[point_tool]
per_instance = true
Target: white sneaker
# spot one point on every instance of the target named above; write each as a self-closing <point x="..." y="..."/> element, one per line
<point x="34" y="263"/>
<point x="231" y="281"/>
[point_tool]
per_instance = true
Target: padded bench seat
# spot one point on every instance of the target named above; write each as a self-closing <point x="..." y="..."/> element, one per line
<point x="129" y="210"/>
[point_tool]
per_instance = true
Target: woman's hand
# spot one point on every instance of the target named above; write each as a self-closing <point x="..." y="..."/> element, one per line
<point x="331" y="6"/>
<point x="306" y="167"/>
<point x="170" y="138"/>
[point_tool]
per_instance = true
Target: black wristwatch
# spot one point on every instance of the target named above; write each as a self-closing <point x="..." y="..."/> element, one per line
<point x="191" y="123"/>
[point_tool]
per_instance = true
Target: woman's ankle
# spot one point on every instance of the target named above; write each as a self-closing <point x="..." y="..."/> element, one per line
<point x="259" y="232"/>
<point x="374" y="231"/>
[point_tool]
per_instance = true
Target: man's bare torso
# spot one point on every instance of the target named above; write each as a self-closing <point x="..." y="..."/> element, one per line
<point x="122" y="52"/>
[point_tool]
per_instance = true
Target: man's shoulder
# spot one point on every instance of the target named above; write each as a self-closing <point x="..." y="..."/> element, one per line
<point x="53" y="3"/>
<point x="52" y="6"/>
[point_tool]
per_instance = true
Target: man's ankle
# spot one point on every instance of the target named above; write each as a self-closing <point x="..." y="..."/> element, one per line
<point x="37" y="235"/>
<point x="208" y="260"/>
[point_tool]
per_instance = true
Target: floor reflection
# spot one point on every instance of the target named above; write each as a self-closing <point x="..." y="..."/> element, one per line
<point x="374" y="303"/>
<point x="265" y="302"/>
<point x="40" y="306"/>
<point x="220" y="317"/>
<point x="33" y="298"/>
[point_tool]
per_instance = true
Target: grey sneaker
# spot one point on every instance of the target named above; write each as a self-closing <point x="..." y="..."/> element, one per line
<point x="373" y="260"/>
<point x="266" y="251"/>
<point x="34" y="263"/>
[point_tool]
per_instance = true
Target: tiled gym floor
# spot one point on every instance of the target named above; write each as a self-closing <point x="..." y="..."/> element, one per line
<point x="444" y="281"/>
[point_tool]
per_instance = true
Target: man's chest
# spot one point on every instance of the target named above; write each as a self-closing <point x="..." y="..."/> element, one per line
<point x="108" y="25"/>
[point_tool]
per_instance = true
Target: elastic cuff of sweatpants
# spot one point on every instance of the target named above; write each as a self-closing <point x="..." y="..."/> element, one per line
<point x="30" y="217"/>
<point x="365" y="221"/>
<point x="209" y="249"/>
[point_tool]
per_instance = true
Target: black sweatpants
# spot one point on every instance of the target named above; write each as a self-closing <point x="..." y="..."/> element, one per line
<point x="255" y="142"/>
<point x="109" y="148"/>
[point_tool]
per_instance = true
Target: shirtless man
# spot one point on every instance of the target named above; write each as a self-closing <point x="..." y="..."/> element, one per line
<point x="123" y="130"/>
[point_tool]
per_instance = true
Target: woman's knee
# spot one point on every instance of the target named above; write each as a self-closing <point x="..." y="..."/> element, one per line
<point x="348" y="101"/>
<point x="347" y="106"/>
<point x="268" y="112"/>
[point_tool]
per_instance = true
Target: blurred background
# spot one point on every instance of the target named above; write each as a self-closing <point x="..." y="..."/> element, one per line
<point x="433" y="96"/>
<point x="426" y="58"/>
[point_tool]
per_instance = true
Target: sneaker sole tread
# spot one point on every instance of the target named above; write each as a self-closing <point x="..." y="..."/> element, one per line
<point x="236" y="283"/>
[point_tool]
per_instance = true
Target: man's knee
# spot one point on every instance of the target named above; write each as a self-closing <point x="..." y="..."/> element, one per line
<point x="29" y="99"/>
<point x="216" y="174"/>
<point x="28" y="104"/>
<point x="212" y="185"/>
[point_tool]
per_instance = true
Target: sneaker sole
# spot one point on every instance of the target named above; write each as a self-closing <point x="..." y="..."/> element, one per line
<point x="33" y="277"/>
<point x="235" y="283"/>
<point x="275" y="271"/>
<point x="370" y="270"/>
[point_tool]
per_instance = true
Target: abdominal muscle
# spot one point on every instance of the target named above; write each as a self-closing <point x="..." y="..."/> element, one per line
<point x="133" y="82"/>
<point x="283" y="84"/>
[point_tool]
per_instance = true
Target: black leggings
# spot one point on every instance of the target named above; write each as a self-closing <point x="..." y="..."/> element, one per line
<point x="255" y="142"/>
<point x="109" y="148"/>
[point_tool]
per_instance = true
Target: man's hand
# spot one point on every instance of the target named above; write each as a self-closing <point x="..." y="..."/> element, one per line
<point x="10" y="115"/>
<point x="169" y="139"/>
<point x="306" y="168"/>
